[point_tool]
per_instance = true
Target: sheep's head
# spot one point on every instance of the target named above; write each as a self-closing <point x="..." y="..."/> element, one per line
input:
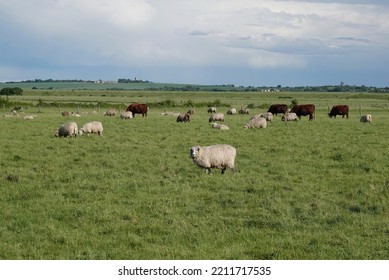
<point x="194" y="151"/>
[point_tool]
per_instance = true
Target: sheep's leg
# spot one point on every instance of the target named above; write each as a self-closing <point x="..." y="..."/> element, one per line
<point x="224" y="170"/>
<point x="208" y="170"/>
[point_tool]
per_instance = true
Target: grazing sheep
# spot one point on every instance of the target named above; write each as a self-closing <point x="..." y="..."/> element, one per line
<point x="268" y="116"/>
<point x="67" y="129"/>
<point x="29" y="117"/>
<point x="289" y="117"/>
<point x="75" y="114"/>
<point x="220" y="126"/>
<point x="244" y="111"/>
<point x="256" y="122"/>
<point x="218" y="156"/>
<point x="183" y="117"/>
<point x="110" y="112"/>
<point x="65" y="113"/>
<point x="191" y="111"/>
<point x="14" y="112"/>
<point x="91" y="127"/>
<point x="366" y="118"/>
<point x="216" y="117"/>
<point x="231" y="111"/>
<point x="212" y="110"/>
<point x="126" y="115"/>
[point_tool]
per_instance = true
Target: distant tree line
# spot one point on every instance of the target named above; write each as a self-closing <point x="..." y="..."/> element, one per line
<point x="11" y="91"/>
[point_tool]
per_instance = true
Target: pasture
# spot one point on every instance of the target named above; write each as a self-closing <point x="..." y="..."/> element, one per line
<point x="302" y="190"/>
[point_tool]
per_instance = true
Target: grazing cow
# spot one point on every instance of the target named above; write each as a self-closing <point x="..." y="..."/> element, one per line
<point x="138" y="109"/>
<point x="278" y="109"/>
<point x="341" y="110"/>
<point x="304" y="110"/>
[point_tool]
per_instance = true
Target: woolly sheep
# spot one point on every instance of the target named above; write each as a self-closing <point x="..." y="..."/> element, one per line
<point x="67" y="129"/>
<point x="110" y="112"/>
<point x="268" y="116"/>
<point x="126" y="115"/>
<point x="220" y="126"/>
<point x="256" y="122"/>
<point x="366" y="118"/>
<point x="29" y="117"/>
<point x="244" y="111"/>
<point x="289" y="117"/>
<point x="220" y="156"/>
<point x="231" y="111"/>
<point x="183" y="117"/>
<point x="91" y="127"/>
<point x="191" y="111"/>
<point x="65" y="113"/>
<point x="212" y="110"/>
<point x="216" y="117"/>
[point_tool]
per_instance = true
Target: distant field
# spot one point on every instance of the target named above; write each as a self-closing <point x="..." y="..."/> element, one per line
<point x="303" y="190"/>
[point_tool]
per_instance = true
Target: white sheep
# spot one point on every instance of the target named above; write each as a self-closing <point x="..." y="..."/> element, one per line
<point x="173" y="114"/>
<point x="216" y="117"/>
<point x="91" y="127"/>
<point x="211" y="110"/>
<point x="231" y="111"/>
<point x="29" y="117"/>
<point x="110" y="112"/>
<point x="219" y="126"/>
<point x="366" y="118"/>
<point x="67" y="129"/>
<point x="268" y="116"/>
<point x="126" y="115"/>
<point x="289" y="117"/>
<point x="256" y="122"/>
<point x="220" y="156"/>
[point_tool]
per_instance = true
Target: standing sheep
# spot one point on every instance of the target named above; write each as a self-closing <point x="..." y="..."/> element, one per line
<point x="67" y="129"/>
<point x="212" y="110"/>
<point x="216" y="117"/>
<point x="231" y="111"/>
<point x="256" y="122"/>
<point x="91" y="127"/>
<point x="289" y="117"/>
<point x="218" y="156"/>
<point x="110" y="112"/>
<point x="366" y="118"/>
<point x="183" y="117"/>
<point x="268" y="116"/>
<point x="126" y="115"/>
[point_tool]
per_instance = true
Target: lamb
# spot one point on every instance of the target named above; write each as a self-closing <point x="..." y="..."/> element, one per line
<point x="216" y="117"/>
<point x="183" y="117"/>
<point x="91" y="127"/>
<point x="289" y="117"/>
<point x="231" y="111"/>
<point x="256" y="122"/>
<point x="220" y="156"/>
<point x="67" y="129"/>
<point x="220" y="126"/>
<point x="126" y="115"/>
<point x="366" y="118"/>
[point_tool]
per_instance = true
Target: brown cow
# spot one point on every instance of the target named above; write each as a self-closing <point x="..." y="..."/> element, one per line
<point x="138" y="109"/>
<point x="304" y="110"/>
<point x="341" y="110"/>
<point x="278" y="109"/>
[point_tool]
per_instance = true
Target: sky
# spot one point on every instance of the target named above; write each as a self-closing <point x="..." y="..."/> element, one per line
<point x="214" y="42"/>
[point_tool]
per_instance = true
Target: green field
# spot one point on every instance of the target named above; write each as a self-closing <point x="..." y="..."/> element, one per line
<point x="303" y="190"/>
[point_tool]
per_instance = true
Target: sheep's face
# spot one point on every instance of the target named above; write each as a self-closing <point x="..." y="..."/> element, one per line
<point x="194" y="151"/>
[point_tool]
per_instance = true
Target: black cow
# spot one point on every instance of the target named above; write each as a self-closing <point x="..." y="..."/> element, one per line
<point x="341" y="110"/>
<point x="278" y="109"/>
<point x="304" y="110"/>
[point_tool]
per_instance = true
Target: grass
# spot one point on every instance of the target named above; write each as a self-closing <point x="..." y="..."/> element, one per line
<point x="303" y="190"/>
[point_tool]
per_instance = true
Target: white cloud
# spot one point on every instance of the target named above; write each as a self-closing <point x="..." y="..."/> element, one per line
<point x="172" y="33"/>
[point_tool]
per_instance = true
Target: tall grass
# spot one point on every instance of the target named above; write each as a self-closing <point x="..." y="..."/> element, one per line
<point x="303" y="190"/>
